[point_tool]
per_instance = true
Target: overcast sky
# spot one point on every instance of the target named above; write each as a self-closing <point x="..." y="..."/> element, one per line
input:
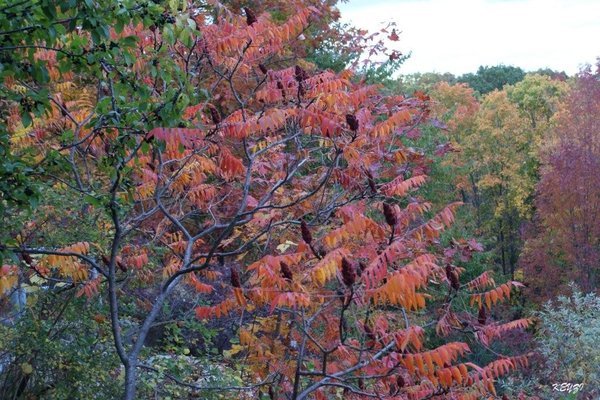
<point x="460" y="35"/>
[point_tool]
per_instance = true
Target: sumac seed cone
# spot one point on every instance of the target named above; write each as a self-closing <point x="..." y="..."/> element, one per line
<point x="27" y="258"/>
<point x="452" y="277"/>
<point x="280" y="87"/>
<point x="286" y="272"/>
<point x="455" y="282"/>
<point x="371" y="182"/>
<point x="250" y="16"/>
<point x="400" y="381"/>
<point x="390" y="216"/>
<point x="481" y="317"/>
<point x="215" y="116"/>
<point x="301" y="90"/>
<point x="372" y="186"/>
<point x="306" y="235"/>
<point x="348" y="273"/>
<point x="352" y="122"/>
<point x="235" y="279"/>
<point x="121" y="266"/>
<point x="300" y="74"/>
<point x="361" y="267"/>
<point x="369" y="332"/>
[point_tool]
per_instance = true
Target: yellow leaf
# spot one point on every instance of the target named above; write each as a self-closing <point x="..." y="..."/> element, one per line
<point x="320" y="276"/>
<point x="284" y="246"/>
<point x="245" y="337"/>
<point x="30" y="288"/>
<point x="26" y="368"/>
<point x="38" y="280"/>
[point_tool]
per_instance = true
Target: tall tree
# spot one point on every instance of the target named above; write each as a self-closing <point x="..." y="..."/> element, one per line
<point x="567" y="246"/>
<point x="188" y="154"/>
<point x="456" y="108"/>
<point x="497" y="163"/>
<point x="408" y="84"/>
<point x="500" y="164"/>
<point x="538" y="98"/>
<point x="488" y="79"/>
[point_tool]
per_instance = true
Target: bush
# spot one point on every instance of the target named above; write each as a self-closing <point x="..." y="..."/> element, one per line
<point x="568" y="341"/>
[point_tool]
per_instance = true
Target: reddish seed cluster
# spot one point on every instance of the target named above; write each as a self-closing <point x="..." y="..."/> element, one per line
<point x="371" y="182"/>
<point x="400" y="382"/>
<point x="235" y="279"/>
<point x="250" y="16"/>
<point x="390" y="216"/>
<point x="300" y="74"/>
<point x="361" y="267"/>
<point x="348" y="272"/>
<point x="481" y="317"/>
<point x="306" y="235"/>
<point x="280" y="87"/>
<point x="286" y="272"/>
<point x="301" y="90"/>
<point x="352" y="122"/>
<point x="27" y="258"/>
<point x="214" y="115"/>
<point x="452" y="277"/>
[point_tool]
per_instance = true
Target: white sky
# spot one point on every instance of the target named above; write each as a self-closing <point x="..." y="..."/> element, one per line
<point x="458" y="36"/>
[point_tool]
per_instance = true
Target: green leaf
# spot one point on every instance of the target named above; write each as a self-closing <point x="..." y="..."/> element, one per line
<point x="91" y="200"/>
<point x="26" y="119"/>
<point x="168" y="34"/>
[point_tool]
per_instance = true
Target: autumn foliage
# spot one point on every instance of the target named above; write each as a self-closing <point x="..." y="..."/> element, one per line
<point x="564" y="245"/>
<point x="218" y="165"/>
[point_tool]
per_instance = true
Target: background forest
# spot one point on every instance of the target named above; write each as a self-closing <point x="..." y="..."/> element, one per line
<point x="215" y="200"/>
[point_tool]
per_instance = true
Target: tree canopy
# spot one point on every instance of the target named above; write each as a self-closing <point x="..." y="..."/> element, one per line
<point x="488" y="79"/>
<point x="234" y="199"/>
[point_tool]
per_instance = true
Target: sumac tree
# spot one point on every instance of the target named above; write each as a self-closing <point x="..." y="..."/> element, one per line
<point x="215" y="164"/>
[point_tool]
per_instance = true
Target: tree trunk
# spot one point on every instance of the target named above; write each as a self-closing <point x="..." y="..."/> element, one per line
<point x="130" y="380"/>
<point x="475" y="200"/>
<point x="502" y="251"/>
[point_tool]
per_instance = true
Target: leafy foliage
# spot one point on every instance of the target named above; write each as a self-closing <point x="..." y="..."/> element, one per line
<point x="410" y="83"/>
<point x="568" y="336"/>
<point x="62" y="349"/>
<point x="565" y="245"/>
<point x="213" y="172"/>
<point x="494" y="154"/>
<point x="487" y="79"/>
